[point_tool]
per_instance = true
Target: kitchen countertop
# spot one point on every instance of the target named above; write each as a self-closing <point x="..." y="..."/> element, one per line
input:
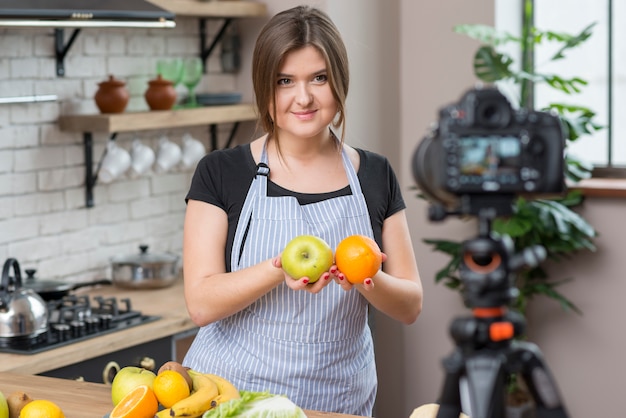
<point x="168" y="303"/>
<point x="93" y="400"/>
<point x="82" y="399"/>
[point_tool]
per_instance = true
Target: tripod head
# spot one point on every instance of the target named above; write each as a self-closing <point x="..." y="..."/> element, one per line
<point x="487" y="269"/>
<point x="488" y="266"/>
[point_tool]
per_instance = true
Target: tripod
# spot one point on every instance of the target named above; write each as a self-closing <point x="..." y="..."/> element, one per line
<point x="486" y="352"/>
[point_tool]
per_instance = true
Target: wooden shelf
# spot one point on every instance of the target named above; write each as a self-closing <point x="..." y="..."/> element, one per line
<point x="115" y="123"/>
<point x="163" y="119"/>
<point x="218" y="9"/>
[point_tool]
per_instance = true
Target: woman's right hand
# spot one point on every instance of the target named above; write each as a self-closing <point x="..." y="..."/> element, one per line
<point x="302" y="283"/>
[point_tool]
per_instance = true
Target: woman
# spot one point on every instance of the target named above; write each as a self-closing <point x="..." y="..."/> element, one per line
<point x="260" y="328"/>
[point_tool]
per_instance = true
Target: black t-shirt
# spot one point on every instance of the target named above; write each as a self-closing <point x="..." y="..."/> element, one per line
<point x="223" y="177"/>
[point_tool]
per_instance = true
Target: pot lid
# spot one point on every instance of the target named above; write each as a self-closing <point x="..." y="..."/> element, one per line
<point x="112" y="82"/>
<point x="41" y="285"/>
<point x="144" y="257"/>
<point x="160" y="81"/>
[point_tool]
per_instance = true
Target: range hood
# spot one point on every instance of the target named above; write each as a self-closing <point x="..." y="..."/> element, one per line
<point x="84" y="14"/>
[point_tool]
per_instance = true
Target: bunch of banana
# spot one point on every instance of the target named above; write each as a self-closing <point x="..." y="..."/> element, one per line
<point x="226" y="389"/>
<point x="209" y="390"/>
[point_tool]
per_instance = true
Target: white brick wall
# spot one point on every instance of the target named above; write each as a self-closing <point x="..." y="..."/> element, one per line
<point x="43" y="220"/>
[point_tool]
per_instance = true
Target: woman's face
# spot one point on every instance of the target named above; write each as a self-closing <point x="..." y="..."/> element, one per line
<point x="305" y="105"/>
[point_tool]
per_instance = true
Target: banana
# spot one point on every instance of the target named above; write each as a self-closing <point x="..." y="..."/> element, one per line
<point x="227" y="390"/>
<point x="202" y="398"/>
<point x="163" y="413"/>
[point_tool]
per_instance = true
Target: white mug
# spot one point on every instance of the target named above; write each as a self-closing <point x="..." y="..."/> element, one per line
<point x="142" y="158"/>
<point x="115" y="163"/>
<point x="193" y="151"/>
<point x="168" y="155"/>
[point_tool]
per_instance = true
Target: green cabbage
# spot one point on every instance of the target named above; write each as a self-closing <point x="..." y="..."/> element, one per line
<point x="257" y="405"/>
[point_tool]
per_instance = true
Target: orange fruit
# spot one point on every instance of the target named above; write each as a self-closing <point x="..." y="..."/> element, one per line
<point x="41" y="408"/>
<point x="170" y="387"/>
<point x="358" y="257"/>
<point x="138" y="403"/>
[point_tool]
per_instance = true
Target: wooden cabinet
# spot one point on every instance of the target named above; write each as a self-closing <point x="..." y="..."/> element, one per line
<point x="214" y="9"/>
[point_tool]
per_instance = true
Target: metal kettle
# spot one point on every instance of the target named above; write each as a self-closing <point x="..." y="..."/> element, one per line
<point x="23" y="313"/>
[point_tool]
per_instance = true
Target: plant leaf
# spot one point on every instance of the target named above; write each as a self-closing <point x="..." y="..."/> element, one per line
<point x="549" y="289"/>
<point x="486" y="34"/>
<point x="570" y="41"/>
<point x="448" y="247"/>
<point x="491" y="66"/>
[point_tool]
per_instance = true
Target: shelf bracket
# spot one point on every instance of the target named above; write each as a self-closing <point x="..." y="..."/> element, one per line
<point x="61" y="49"/>
<point x="205" y="51"/>
<point x="91" y="173"/>
<point x="91" y="176"/>
<point x="213" y="136"/>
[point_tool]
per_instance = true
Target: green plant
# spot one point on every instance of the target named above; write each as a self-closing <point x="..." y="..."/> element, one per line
<point x="549" y="222"/>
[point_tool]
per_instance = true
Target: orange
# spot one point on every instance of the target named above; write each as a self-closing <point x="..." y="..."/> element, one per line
<point x="138" y="403"/>
<point x="41" y="408"/>
<point x="170" y="387"/>
<point x="358" y="257"/>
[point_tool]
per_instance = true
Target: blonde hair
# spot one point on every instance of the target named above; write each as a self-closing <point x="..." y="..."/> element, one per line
<point x="288" y="31"/>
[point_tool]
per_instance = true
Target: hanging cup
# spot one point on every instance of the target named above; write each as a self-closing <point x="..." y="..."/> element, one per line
<point x="116" y="162"/>
<point x="168" y="155"/>
<point x="193" y="151"/>
<point x="143" y="158"/>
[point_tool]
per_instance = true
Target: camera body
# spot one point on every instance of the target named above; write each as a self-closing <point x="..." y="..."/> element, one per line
<point x="481" y="146"/>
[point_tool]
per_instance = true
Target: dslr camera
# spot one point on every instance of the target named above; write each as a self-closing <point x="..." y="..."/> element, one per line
<point x="482" y="153"/>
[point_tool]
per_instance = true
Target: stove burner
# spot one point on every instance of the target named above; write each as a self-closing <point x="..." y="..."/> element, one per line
<point x="77" y="318"/>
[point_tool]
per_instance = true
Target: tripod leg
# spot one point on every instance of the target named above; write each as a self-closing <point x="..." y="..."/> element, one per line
<point x="540" y="382"/>
<point x="485" y="373"/>
<point x="450" y="399"/>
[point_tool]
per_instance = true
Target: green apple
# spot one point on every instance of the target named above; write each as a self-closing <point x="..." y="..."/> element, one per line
<point x="4" y="406"/>
<point x="307" y="256"/>
<point x="127" y="379"/>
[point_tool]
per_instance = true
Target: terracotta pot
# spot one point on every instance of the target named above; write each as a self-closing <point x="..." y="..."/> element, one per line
<point x="112" y="96"/>
<point x="161" y="94"/>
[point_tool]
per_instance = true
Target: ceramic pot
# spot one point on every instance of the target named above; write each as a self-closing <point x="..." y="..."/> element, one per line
<point x="112" y="96"/>
<point x="161" y="94"/>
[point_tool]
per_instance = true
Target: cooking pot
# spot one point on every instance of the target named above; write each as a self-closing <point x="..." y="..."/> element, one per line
<point x="23" y="313"/>
<point x="51" y="289"/>
<point x="145" y="270"/>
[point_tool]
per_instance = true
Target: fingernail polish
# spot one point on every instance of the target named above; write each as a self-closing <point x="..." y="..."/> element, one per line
<point x="305" y="281"/>
<point x="326" y="276"/>
<point x="333" y="270"/>
<point x="341" y="277"/>
<point x="368" y="281"/>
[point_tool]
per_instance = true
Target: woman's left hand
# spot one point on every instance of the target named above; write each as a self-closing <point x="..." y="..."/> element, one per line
<point x="341" y="280"/>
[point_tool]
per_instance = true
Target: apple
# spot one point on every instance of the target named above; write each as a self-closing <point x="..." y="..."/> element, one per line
<point x="307" y="256"/>
<point x="127" y="379"/>
<point x="4" y="406"/>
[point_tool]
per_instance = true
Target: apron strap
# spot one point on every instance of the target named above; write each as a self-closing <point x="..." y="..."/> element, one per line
<point x="262" y="169"/>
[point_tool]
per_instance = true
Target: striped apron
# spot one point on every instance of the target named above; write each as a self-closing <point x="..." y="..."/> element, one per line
<point x="316" y="349"/>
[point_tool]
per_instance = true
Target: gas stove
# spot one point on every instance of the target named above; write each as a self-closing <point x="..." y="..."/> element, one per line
<point x="77" y="318"/>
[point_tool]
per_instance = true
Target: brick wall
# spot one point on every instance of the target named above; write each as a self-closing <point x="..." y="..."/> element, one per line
<point x="44" y="223"/>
